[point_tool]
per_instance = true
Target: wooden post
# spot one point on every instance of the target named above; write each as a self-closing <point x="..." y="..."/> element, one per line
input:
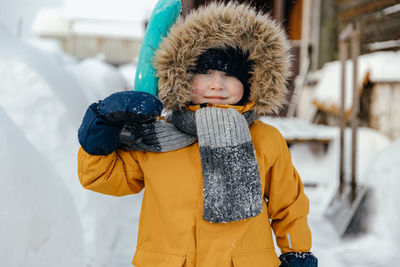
<point x="305" y="32"/>
<point x="315" y="35"/>
<point x="343" y="58"/>
<point x="350" y="33"/>
<point x="186" y="6"/>
<point x="279" y="10"/>
<point x="355" y="52"/>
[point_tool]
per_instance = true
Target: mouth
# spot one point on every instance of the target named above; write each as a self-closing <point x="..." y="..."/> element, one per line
<point x="216" y="97"/>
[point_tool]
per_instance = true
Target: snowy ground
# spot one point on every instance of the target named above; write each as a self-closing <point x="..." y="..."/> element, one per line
<point x="48" y="220"/>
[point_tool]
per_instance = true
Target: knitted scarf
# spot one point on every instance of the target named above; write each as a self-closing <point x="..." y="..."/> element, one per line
<point x="231" y="179"/>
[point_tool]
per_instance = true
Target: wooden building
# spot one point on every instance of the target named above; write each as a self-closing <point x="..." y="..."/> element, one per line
<point x="118" y="41"/>
<point x="379" y="22"/>
<point x="379" y="88"/>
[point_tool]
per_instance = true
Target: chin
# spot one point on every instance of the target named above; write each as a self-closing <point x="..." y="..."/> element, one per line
<point x="218" y="101"/>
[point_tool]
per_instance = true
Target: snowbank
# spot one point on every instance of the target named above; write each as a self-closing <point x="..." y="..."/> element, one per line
<point x="50" y="67"/>
<point x="19" y="15"/>
<point x="97" y="78"/>
<point x="377" y="167"/>
<point x="41" y="115"/>
<point x="49" y="120"/>
<point x="383" y="175"/>
<point x="380" y="246"/>
<point x="128" y="71"/>
<point x="39" y="224"/>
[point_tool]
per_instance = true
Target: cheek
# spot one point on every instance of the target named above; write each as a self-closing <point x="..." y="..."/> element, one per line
<point x="237" y="90"/>
<point x="197" y="91"/>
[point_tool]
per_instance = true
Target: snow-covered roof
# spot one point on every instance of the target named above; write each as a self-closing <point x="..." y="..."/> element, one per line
<point x="117" y="19"/>
<point x="379" y="66"/>
<point x="50" y="21"/>
<point x="55" y="22"/>
<point x="109" y="28"/>
<point x="123" y="10"/>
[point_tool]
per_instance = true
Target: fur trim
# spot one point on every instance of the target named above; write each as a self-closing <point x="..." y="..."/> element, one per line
<point x="221" y="25"/>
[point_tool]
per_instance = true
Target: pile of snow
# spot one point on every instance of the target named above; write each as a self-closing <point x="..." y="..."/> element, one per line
<point x="17" y="16"/>
<point x="50" y="66"/>
<point x="39" y="223"/>
<point x="35" y="108"/>
<point x="46" y="103"/>
<point x="97" y="78"/>
<point x="381" y="66"/>
<point x="128" y="72"/>
<point x="52" y="47"/>
<point x="383" y="176"/>
<point x="380" y="246"/>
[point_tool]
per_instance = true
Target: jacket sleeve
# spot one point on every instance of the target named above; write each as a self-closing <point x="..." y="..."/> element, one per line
<point x="116" y="174"/>
<point x="287" y="204"/>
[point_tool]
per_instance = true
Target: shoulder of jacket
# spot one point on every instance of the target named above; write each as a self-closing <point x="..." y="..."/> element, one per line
<point x="259" y="125"/>
<point x="268" y="138"/>
<point x="261" y="129"/>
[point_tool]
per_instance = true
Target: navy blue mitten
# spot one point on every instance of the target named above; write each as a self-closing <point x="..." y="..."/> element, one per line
<point x="99" y="133"/>
<point x="298" y="259"/>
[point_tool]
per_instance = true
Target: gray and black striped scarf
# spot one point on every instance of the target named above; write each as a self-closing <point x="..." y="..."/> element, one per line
<point x="231" y="179"/>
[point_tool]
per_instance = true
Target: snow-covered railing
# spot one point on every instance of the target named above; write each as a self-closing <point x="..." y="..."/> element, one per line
<point x="296" y="130"/>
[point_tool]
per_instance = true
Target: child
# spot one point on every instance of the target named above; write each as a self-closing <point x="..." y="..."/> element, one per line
<point x="216" y="180"/>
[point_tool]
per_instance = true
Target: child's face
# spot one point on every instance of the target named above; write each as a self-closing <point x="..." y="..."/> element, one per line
<point x="216" y="87"/>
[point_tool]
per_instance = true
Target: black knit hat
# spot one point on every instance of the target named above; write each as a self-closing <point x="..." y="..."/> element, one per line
<point x="230" y="60"/>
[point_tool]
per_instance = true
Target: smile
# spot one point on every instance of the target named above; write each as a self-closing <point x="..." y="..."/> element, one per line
<point x="216" y="97"/>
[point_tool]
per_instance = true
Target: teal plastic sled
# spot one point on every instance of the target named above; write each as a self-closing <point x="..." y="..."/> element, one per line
<point x="164" y="15"/>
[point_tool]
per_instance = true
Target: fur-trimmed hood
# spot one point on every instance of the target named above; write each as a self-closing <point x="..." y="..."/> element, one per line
<point x="219" y="25"/>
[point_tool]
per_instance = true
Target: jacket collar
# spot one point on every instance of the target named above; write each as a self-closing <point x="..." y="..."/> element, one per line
<point x="241" y="109"/>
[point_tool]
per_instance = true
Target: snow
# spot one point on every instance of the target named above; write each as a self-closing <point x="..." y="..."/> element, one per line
<point x="119" y="10"/>
<point x="51" y="21"/>
<point x="295" y="128"/>
<point x="383" y="175"/>
<point x="391" y="9"/>
<point x="381" y="66"/>
<point x="50" y="67"/>
<point x="116" y="29"/>
<point x="48" y="112"/>
<point x="39" y="222"/>
<point x="127" y="71"/>
<point x="381" y="245"/>
<point x="23" y="12"/>
<point x="47" y="219"/>
<point x="17" y="16"/>
<point x="97" y="78"/>
<point x="378" y="168"/>
<point x="121" y="19"/>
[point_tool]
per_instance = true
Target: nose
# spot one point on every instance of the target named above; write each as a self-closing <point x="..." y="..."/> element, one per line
<point x="216" y="82"/>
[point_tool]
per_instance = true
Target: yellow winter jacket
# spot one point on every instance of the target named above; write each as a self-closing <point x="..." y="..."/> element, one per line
<point x="172" y="231"/>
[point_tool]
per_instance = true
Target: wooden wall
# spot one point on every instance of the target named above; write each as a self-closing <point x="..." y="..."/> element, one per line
<point x="384" y="109"/>
<point x="379" y="20"/>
